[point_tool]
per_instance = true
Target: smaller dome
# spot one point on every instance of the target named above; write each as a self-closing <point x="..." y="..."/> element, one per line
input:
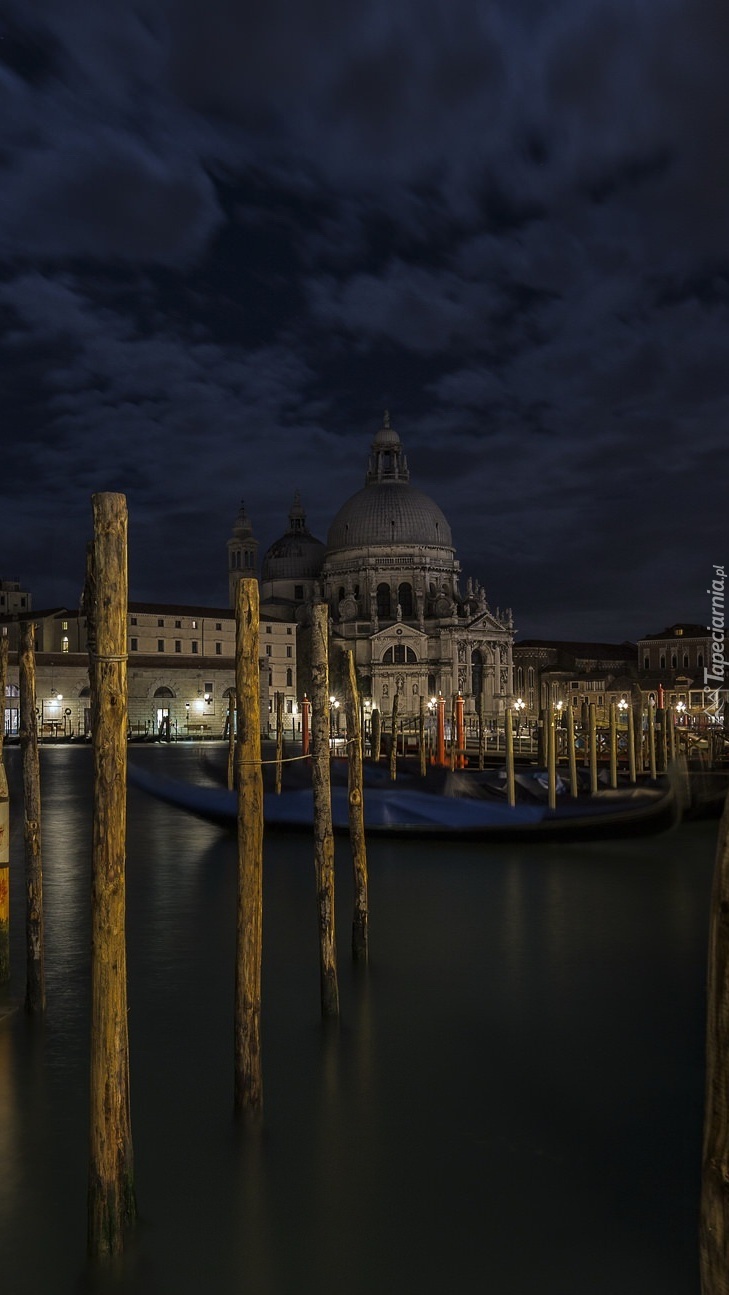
<point x="297" y="555"/>
<point x="387" y="436"/>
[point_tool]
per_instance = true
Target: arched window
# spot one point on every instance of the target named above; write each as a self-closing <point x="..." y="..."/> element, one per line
<point x="700" y="661"/>
<point x="229" y="692"/>
<point x="530" y="676"/>
<point x="663" y="660"/>
<point x="399" y="655"/>
<point x="674" y="660"/>
<point x="342" y="594"/>
<point x="289" y="678"/>
<point x="163" y="692"/>
<point x="383" y="602"/>
<point x="476" y="672"/>
<point x="431" y="685"/>
<point x="405" y="599"/>
<point x="685" y="660"/>
<point x="519" y="678"/>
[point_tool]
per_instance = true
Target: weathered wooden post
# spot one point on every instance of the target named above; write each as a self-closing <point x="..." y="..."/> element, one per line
<point x="4" y="829"/>
<point x="714" y="1227"/>
<point x="652" y="739"/>
<point x="393" y="743"/>
<point x="543" y="739"/>
<point x="551" y="758"/>
<point x="279" y="741"/>
<point x="481" y="732"/>
<point x="671" y="725"/>
<point x="376" y="735"/>
<point x="631" y="744"/>
<point x="571" y="751"/>
<point x="460" y="734"/>
<point x="440" y="732"/>
<point x="248" y="1083"/>
<point x="613" y="745"/>
<point x="111" y="1200"/>
<point x="231" y="741"/>
<point x="421" y="738"/>
<point x="323" y="833"/>
<point x="593" y="747"/>
<point x="35" y="991"/>
<point x="509" y="736"/>
<point x="356" y="814"/>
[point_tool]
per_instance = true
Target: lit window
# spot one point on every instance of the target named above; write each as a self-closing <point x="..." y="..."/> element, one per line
<point x="64" y="625"/>
<point x="64" y="644"/>
<point x="194" y="625"/>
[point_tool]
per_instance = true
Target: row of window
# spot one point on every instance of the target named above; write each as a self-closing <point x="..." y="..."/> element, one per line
<point x="194" y="646"/>
<point x="289" y="650"/>
<point x="269" y="629"/>
<point x="134" y="620"/>
<point x="674" y="661"/>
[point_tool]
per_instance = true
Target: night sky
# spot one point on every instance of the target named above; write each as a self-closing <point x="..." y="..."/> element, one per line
<point x="232" y="234"/>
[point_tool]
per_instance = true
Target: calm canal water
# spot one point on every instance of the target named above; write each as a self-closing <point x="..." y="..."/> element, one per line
<point x="512" y="1103"/>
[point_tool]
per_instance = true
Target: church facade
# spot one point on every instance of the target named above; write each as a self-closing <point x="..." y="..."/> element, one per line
<point x="390" y="576"/>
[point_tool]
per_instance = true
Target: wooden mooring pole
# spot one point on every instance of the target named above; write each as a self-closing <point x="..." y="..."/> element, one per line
<point x="4" y="829"/>
<point x="393" y="743"/>
<point x="593" y="747"/>
<point x="376" y="735"/>
<point x="35" y="989"/>
<point x="652" y="739"/>
<point x="509" y="737"/>
<point x="631" y="744"/>
<point x="279" y="741"/>
<point x="421" y="739"/>
<point x="323" y="833"/>
<point x="248" y="1082"/>
<point x="111" y="1200"/>
<point x="571" y="751"/>
<point x="551" y="758"/>
<point x="481" y="732"/>
<point x="355" y="789"/>
<point x="714" y="1225"/>
<point x="613" y="745"/>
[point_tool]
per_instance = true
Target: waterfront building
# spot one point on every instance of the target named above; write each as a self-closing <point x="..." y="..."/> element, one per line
<point x="181" y="670"/>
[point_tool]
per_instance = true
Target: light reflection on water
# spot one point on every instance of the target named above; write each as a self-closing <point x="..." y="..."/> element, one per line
<point x="512" y="1100"/>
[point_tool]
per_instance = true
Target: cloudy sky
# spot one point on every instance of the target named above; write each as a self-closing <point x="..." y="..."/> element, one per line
<point x="232" y="234"/>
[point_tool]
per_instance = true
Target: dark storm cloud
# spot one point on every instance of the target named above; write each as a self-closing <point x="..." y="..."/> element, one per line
<point x="229" y="234"/>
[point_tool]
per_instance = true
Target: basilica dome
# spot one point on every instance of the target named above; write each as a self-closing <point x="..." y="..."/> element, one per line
<point x="297" y="555"/>
<point x="387" y="513"/>
<point x="388" y="510"/>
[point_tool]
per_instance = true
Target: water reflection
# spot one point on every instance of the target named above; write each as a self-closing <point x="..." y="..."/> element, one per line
<point x="512" y="1098"/>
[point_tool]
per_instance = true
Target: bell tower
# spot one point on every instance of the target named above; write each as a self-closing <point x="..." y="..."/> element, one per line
<point x="242" y="552"/>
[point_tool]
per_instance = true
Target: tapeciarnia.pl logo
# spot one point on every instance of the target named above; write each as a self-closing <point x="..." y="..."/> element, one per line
<point x="716" y="673"/>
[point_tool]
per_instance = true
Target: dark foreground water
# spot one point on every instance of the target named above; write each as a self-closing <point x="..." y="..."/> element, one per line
<point x="511" y="1104"/>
